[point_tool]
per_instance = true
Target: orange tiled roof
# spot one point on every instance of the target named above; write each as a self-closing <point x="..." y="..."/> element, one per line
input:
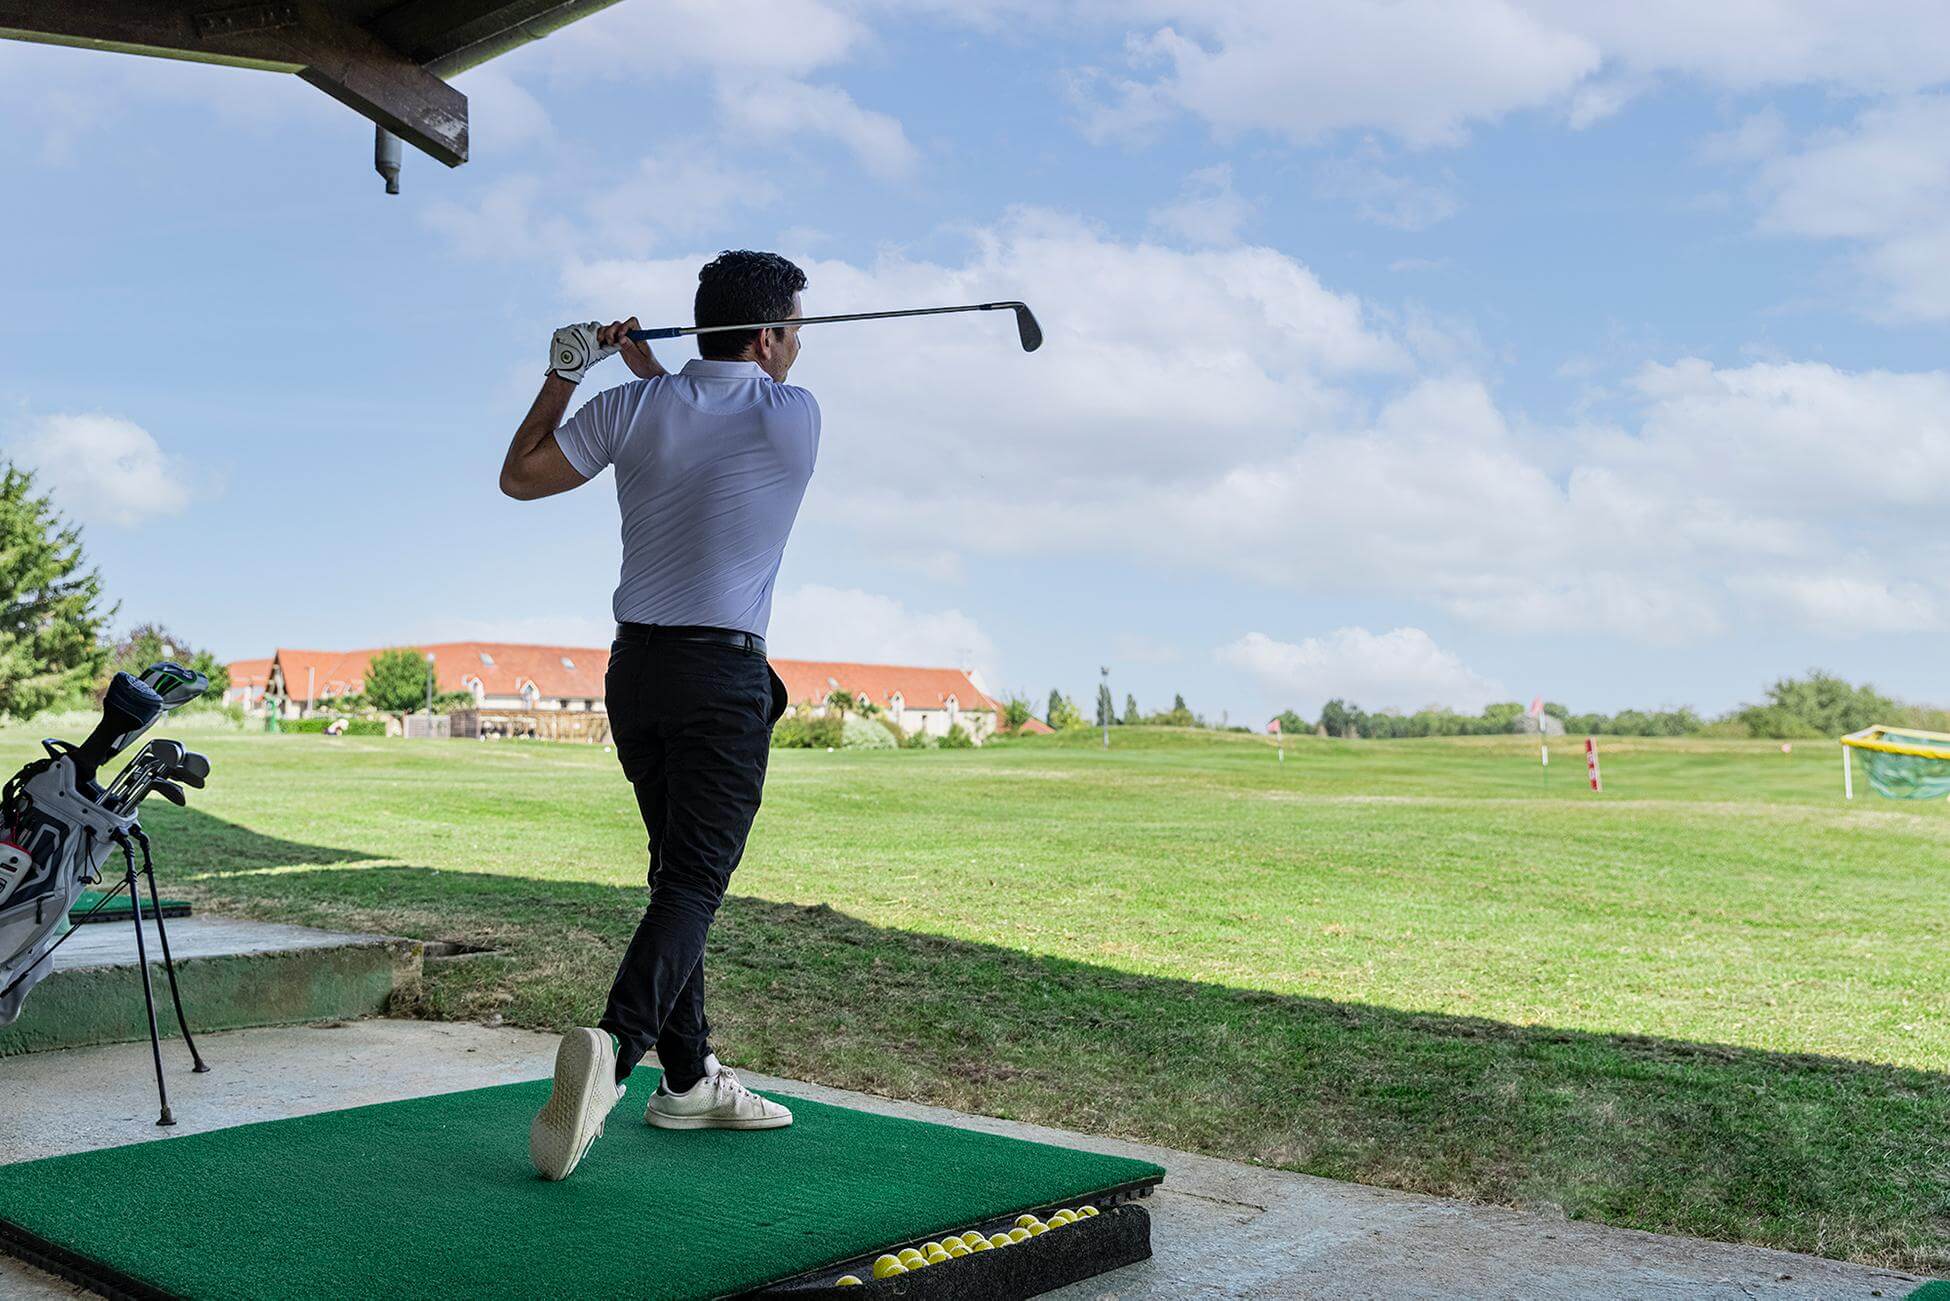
<point x="248" y="673"/>
<point x="811" y="681"/>
<point x="502" y="668"/>
<point x="576" y="672"/>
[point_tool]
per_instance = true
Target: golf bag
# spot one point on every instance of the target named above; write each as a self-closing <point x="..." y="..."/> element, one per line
<point x="65" y="837"/>
<point x="58" y="826"/>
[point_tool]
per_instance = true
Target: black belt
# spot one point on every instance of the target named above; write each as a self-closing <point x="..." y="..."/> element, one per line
<point x="643" y="634"/>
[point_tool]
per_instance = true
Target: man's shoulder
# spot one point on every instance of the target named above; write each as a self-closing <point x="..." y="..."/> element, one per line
<point x="791" y="395"/>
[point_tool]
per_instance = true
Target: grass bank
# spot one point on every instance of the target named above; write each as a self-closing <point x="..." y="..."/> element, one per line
<point x="1708" y="1001"/>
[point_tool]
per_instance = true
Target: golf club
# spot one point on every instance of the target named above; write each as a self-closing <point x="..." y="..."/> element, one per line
<point x="150" y="763"/>
<point x="170" y="791"/>
<point x="130" y="707"/>
<point x="193" y="771"/>
<point x="1026" y="327"/>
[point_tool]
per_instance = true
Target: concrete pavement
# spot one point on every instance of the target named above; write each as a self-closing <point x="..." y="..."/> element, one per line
<point x="1220" y="1229"/>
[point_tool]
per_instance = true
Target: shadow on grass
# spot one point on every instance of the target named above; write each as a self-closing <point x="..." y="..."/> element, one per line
<point x="1842" y="1158"/>
<point x="196" y="842"/>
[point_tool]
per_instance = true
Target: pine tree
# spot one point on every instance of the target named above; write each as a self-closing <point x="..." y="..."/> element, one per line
<point x="1054" y="714"/>
<point x="51" y="620"/>
<point x="1130" y="710"/>
<point x="1106" y="706"/>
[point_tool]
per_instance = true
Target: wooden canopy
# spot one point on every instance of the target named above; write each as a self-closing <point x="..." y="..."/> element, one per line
<point x="384" y="59"/>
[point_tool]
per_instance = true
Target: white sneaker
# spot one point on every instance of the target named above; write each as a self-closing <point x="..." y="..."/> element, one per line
<point x="718" y="1101"/>
<point x="585" y="1093"/>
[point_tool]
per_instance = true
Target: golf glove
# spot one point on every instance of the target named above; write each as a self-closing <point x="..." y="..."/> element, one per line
<point x="574" y="350"/>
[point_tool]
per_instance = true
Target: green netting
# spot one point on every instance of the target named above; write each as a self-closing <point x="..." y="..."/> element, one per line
<point x="1909" y="776"/>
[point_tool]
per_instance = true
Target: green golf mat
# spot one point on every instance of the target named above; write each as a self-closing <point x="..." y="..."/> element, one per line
<point x="435" y="1197"/>
<point x="88" y="907"/>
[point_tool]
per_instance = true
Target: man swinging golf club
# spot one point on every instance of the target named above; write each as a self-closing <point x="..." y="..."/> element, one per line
<point x="711" y="465"/>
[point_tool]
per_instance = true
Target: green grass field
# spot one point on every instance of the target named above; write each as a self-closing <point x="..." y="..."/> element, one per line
<point x="1709" y="1001"/>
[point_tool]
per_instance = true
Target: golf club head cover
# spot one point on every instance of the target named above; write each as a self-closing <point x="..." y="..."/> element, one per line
<point x="176" y="684"/>
<point x="574" y="350"/>
<point x="128" y="706"/>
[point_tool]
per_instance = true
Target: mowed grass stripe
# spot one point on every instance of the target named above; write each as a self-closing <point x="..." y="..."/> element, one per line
<point x="1710" y="1000"/>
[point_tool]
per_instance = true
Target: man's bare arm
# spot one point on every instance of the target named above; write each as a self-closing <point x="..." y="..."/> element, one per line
<point x="535" y="466"/>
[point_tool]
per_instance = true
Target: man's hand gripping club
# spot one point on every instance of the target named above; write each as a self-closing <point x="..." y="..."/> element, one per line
<point x="535" y="466"/>
<point x="575" y="348"/>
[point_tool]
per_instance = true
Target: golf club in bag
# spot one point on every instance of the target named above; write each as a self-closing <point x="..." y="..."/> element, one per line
<point x="58" y="827"/>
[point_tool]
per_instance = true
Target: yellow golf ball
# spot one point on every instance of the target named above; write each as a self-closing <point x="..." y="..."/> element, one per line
<point x="972" y="1237"/>
<point x="1064" y="1214"/>
<point x="1000" y="1240"/>
<point x="1086" y="1211"/>
<point x="885" y="1268"/>
<point x="983" y="1244"/>
<point x="1035" y="1229"/>
<point x="910" y="1257"/>
<point x="887" y="1260"/>
<point x="957" y="1248"/>
<point x="847" y="1280"/>
<point x="936" y="1256"/>
<point x="1019" y="1235"/>
<point x="1024" y="1220"/>
<point x="929" y="1248"/>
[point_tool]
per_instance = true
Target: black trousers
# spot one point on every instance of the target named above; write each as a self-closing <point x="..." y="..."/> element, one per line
<point x="692" y="723"/>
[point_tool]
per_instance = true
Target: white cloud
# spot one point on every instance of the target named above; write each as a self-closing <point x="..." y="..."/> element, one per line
<point x="102" y="469"/>
<point x="1883" y="185"/>
<point x="769" y="110"/>
<point x="501" y="114"/>
<point x="656" y="42"/>
<point x="1400" y="669"/>
<point x="1426" y="71"/>
<point x="816" y="622"/>
<point x="1383" y="197"/>
<point x="661" y="198"/>
<point x="1208" y="210"/>
<point x="1847" y="602"/>
<point x="1221" y="411"/>
<point x="1309" y="71"/>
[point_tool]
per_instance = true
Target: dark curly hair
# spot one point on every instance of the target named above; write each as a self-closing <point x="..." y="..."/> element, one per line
<point x="738" y="286"/>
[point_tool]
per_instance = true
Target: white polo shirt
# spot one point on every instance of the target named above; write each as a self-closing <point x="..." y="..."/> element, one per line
<point x="711" y="465"/>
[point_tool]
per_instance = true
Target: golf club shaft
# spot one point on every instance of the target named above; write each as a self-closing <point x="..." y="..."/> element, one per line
<point x="674" y="332"/>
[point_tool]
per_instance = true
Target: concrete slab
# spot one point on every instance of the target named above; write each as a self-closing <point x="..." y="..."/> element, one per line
<point x="110" y="944"/>
<point x="1221" y="1229"/>
<point x="233" y="973"/>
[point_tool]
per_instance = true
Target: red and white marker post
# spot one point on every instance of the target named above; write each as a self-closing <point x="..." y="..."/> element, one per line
<point x="1591" y="761"/>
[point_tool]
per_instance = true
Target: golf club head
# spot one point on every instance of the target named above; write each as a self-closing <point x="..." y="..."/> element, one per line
<point x="176" y="684"/>
<point x="193" y="771"/>
<point x="129" y="708"/>
<point x="170" y="791"/>
<point x="1026" y="326"/>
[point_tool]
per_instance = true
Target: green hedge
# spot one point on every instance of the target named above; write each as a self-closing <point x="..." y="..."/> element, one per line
<point x="797" y="733"/>
<point x="314" y="726"/>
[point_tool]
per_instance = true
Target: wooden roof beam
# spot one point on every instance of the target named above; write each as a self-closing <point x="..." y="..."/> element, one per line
<point x="303" y="36"/>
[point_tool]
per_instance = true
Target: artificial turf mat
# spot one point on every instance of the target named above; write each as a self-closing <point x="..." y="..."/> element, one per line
<point x="435" y="1197"/>
<point x="88" y="907"/>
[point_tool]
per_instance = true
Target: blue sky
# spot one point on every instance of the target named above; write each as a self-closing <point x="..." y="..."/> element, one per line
<point x="1406" y="351"/>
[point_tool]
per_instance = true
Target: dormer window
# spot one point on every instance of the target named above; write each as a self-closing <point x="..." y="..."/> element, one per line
<point x="487" y="659"/>
<point x="568" y="664"/>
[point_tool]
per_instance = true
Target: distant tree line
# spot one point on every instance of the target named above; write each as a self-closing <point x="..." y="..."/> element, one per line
<point x="1817" y="705"/>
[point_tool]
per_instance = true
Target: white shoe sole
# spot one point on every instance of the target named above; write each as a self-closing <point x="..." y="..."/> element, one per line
<point x="663" y="1121"/>
<point x="577" y="1106"/>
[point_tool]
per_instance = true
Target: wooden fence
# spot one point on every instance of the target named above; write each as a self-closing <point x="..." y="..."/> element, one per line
<point x="590" y="727"/>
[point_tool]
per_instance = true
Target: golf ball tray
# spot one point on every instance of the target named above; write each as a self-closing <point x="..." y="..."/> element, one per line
<point x="1030" y="1252"/>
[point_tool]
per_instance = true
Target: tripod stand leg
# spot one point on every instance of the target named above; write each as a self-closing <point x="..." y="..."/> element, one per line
<point x="148" y="995"/>
<point x="169" y="968"/>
